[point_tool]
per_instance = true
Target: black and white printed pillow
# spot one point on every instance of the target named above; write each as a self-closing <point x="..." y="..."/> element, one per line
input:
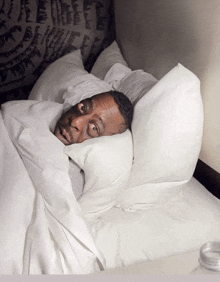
<point x="33" y="34"/>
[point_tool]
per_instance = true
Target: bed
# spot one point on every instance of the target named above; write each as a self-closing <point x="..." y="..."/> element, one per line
<point x="112" y="201"/>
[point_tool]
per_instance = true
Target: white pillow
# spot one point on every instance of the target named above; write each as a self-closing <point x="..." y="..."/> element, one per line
<point x="167" y="133"/>
<point x="135" y="84"/>
<point x="167" y="129"/>
<point x="89" y="86"/>
<point x="107" y="162"/>
<point x="110" y="56"/>
<point x="111" y="67"/>
<point x="115" y="74"/>
<point x="57" y="77"/>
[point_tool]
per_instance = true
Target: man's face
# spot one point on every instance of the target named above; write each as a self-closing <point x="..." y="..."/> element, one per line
<point x="92" y="117"/>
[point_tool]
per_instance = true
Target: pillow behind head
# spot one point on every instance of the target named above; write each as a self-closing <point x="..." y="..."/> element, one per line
<point x="135" y="84"/>
<point x="61" y="74"/>
<point x="106" y="162"/>
<point x="167" y="135"/>
<point x="167" y="129"/>
<point x="89" y="86"/>
<point x="116" y="73"/>
<point x="110" y="56"/>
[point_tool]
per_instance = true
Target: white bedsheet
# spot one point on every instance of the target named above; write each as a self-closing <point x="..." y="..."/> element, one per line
<point x="186" y="218"/>
<point x="42" y="229"/>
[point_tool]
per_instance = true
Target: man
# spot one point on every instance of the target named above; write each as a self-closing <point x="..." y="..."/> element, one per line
<point x="101" y="115"/>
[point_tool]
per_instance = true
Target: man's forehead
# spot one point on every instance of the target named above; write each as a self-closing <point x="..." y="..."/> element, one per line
<point x="108" y="112"/>
<point x="105" y="103"/>
<point x="102" y="97"/>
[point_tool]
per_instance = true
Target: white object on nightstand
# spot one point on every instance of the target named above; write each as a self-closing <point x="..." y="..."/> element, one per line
<point x="209" y="259"/>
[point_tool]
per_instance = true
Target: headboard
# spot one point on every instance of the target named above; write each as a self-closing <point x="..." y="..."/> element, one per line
<point x="156" y="35"/>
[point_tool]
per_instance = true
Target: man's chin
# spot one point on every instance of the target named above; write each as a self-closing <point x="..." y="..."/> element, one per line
<point x="63" y="140"/>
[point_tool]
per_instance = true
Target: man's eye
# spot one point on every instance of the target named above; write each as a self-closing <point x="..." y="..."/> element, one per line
<point x="82" y="108"/>
<point x="94" y="128"/>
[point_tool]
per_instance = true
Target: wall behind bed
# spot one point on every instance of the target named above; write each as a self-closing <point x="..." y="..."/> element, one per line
<point x="156" y="35"/>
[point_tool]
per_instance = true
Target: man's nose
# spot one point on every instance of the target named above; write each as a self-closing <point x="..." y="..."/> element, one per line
<point x="80" y="125"/>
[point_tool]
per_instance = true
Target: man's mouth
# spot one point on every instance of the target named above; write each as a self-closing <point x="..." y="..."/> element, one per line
<point x="63" y="135"/>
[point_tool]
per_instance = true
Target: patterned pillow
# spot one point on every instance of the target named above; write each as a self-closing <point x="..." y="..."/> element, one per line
<point x="36" y="33"/>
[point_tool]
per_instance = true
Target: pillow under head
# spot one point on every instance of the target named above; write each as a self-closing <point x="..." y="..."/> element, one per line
<point x="106" y="162"/>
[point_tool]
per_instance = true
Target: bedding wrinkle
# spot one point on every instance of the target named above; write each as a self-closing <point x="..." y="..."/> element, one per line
<point x="39" y="248"/>
<point x="58" y="240"/>
<point x="16" y="200"/>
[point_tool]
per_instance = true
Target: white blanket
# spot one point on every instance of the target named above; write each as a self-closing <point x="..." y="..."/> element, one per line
<point x="42" y="229"/>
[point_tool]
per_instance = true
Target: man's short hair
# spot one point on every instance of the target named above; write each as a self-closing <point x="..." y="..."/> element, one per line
<point x="125" y="106"/>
